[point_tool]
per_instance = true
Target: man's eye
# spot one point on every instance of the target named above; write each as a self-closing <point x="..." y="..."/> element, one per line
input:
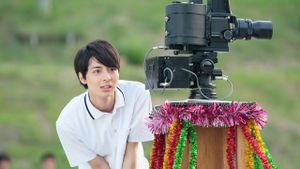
<point x="113" y="69"/>
<point x="97" y="71"/>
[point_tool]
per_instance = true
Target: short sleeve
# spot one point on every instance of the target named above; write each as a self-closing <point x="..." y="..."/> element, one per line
<point x="139" y="131"/>
<point x="84" y="165"/>
<point x="75" y="150"/>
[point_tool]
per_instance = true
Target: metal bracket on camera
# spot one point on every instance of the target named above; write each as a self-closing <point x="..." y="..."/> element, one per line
<point x="199" y="30"/>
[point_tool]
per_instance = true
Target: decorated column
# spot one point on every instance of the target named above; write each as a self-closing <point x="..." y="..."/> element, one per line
<point x="209" y="136"/>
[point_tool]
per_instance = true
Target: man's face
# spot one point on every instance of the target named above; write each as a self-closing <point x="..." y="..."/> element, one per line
<point x="48" y="164"/>
<point x="100" y="79"/>
<point x="4" y="164"/>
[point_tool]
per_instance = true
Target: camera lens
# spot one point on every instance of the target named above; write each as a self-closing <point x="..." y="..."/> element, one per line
<point x="262" y="29"/>
<point x="245" y="29"/>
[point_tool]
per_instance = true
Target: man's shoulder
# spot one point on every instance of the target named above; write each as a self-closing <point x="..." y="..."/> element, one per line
<point x="133" y="90"/>
<point x="131" y="85"/>
<point x="69" y="111"/>
<point x="75" y="102"/>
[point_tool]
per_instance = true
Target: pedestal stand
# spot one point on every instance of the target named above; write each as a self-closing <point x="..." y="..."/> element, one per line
<point x="226" y="135"/>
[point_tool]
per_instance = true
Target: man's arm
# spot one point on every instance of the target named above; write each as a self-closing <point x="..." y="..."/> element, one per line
<point x="130" y="158"/>
<point x="98" y="163"/>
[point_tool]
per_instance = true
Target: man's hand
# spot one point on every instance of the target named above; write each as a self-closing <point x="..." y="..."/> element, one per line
<point x="130" y="158"/>
<point x="99" y="163"/>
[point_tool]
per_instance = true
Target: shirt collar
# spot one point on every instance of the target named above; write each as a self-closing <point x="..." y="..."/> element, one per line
<point x="94" y="113"/>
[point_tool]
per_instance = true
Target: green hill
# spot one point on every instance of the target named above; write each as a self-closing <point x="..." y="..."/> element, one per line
<point x="37" y="79"/>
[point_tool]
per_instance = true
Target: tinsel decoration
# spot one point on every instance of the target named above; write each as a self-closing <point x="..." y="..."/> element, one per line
<point x="181" y="145"/>
<point x="193" y="148"/>
<point x="167" y="146"/>
<point x="172" y="140"/>
<point x="269" y="157"/>
<point x="213" y="115"/>
<point x="256" y="149"/>
<point x="256" y="134"/>
<point x="231" y="148"/>
<point x="173" y="125"/>
<point x="173" y="144"/>
<point x="187" y="129"/>
<point x="257" y="163"/>
<point x="157" y="153"/>
<point x="248" y="156"/>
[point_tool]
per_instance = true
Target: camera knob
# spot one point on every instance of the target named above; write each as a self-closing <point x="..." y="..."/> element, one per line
<point x="166" y="19"/>
<point x="166" y="33"/>
<point x="207" y="66"/>
<point x="228" y="35"/>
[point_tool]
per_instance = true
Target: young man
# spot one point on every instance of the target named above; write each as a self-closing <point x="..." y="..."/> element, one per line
<point x="103" y="128"/>
<point x="4" y="161"/>
<point x="48" y="161"/>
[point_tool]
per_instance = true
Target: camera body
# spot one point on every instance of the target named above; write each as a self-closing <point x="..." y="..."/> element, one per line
<point x="198" y="27"/>
<point x="200" y="31"/>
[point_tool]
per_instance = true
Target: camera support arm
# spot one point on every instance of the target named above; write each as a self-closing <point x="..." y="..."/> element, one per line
<point x="202" y="64"/>
<point x="201" y="31"/>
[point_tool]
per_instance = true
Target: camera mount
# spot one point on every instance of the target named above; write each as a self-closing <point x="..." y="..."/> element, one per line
<point x="198" y="31"/>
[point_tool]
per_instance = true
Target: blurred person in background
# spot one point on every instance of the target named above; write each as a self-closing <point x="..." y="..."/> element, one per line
<point x="103" y="127"/>
<point x="4" y="161"/>
<point x="48" y="161"/>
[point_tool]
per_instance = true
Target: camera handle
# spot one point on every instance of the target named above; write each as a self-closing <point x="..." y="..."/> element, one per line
<point x="202" y="65"/>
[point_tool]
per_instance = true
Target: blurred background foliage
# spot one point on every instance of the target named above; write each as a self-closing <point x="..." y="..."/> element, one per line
<point x="39" y="38"/>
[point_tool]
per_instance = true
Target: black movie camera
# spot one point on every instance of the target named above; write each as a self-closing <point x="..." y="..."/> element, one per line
<point x="195" y="32"/>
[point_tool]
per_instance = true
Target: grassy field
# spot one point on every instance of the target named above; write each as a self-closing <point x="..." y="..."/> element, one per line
<point x="37" y="80"/>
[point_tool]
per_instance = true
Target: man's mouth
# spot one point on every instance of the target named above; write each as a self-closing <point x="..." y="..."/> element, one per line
<point x="106" y="87"/>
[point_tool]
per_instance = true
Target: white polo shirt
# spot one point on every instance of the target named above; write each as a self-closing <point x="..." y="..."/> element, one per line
<point x="85" y="132"/>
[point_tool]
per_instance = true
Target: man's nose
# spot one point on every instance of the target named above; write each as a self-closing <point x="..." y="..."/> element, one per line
<point x="106" y="76"/>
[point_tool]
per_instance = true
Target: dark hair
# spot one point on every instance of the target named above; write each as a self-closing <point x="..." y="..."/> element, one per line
<point x="47" y="156"/>
<point x="4" y="157"/>
<point x="102" y="51"/>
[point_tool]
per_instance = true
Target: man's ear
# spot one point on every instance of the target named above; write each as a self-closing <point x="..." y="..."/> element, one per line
<point x="81" y="78"/>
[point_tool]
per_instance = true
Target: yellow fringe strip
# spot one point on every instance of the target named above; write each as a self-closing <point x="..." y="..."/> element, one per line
<point x="249" y="157"/>
<point x="170" y="134"/>
<point x="256" y="134"/>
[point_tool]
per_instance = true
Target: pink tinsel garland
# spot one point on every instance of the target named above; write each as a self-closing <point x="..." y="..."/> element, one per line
<point x="231" y="147"/>
<point x="157" y="154"/>
<point x="214" y="115"/>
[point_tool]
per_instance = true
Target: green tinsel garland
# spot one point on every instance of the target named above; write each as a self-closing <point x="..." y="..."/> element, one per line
<point x="186" y="128"/>
<point x="269" y="157"/>
<point x="181" y="145"/>
<point x="193" y="148"/>
<point x="257" y="163"/>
